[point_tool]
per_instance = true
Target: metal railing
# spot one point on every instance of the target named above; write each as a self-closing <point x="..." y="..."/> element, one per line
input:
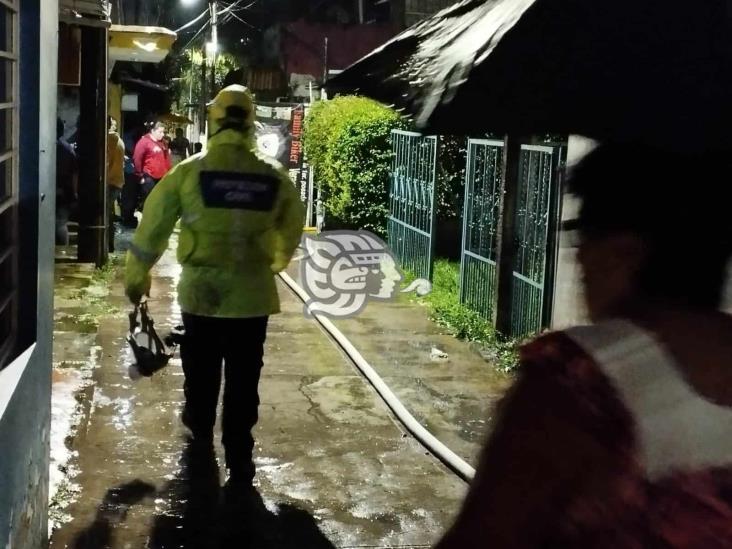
<point x="411" y="221"/>
<point x="538" y="187"/>
<point x="481" y="215"/>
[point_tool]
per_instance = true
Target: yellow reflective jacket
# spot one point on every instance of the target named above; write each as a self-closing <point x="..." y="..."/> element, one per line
<point x="229" y="256"/>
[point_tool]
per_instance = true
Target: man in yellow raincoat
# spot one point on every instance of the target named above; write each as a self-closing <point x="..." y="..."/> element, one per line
<point x="241" y="220"/>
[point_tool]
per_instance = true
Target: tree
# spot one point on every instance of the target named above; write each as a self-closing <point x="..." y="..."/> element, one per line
<point x="188" y="91"/>
<point x="145" y="12"/>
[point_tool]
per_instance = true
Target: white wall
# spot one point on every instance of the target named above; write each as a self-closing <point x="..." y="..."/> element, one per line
<point x="569" y="308"/>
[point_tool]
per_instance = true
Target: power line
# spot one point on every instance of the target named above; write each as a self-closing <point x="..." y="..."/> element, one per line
<point x="235" y="16"/>
<point x="193" y="21"/>
<point x="206" y="24"/>
<point x="228" y="12"/>
<point x="231" y="8"/>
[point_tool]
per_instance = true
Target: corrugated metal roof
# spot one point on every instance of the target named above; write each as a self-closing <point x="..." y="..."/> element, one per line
<point x="99" y="9"/>
<point x="266" y="80"/>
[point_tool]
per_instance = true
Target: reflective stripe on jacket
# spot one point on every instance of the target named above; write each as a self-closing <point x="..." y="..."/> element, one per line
<point x="229" y="256"/>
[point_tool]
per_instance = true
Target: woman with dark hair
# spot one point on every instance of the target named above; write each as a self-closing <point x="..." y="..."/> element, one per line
<point x="619" y="434"/>
<point x="152" y="158"/>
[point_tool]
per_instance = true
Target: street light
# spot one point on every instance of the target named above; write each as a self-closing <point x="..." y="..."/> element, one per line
<point x="211" y="49"/>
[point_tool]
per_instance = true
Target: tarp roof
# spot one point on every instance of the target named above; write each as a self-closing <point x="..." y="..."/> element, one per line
<point x="657" y="71"/>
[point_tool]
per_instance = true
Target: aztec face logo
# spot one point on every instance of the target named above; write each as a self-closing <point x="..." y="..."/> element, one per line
<point x="342" y="270"/>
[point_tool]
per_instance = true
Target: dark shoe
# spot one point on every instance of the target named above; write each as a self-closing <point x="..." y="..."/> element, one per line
<point x="244" y="501"/>
<point x="242" y="474"/>
<point x="195" y="434"/>
<point x="199" y="461"/>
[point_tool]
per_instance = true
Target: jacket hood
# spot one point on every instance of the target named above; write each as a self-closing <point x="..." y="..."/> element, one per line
<point x="233" y="137"/>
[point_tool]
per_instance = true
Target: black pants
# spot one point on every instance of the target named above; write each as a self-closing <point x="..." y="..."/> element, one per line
<point x="129" y="200"/>
<point x="148" y="184"/>
<point x="112" y="196"/>
<point x="239" y="344"/>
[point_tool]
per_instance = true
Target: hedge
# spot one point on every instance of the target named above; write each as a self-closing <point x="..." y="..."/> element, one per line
<point x="347" y="143"/>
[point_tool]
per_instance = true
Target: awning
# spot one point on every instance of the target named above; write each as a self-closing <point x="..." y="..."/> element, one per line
<point x="139" y="44"/>
<point x="85" y="12"/>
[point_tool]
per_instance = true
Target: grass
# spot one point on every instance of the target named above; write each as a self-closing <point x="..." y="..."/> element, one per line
<point x="107" y="273"/>
<point x="464" y="323"/>
<point x="95" y="294"/>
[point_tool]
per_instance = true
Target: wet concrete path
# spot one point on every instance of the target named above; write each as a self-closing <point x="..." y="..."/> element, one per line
<point x="334" y="468"/>
<point x="445" y="383"/>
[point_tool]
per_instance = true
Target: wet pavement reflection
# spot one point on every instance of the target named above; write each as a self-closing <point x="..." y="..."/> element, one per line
<point x="203" y="514"/>
<point x="334" y="469"/>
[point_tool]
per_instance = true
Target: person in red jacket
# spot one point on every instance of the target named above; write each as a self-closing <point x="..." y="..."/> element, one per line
<point x="152" y="158"/>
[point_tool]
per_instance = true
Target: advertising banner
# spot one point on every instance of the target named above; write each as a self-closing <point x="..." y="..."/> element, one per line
<point x="279" y="129"/>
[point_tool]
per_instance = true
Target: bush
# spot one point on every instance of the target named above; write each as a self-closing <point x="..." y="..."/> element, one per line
<point x="452" y="156"/>
<point x="347" y="143"/>
<point x="462" y="322"/>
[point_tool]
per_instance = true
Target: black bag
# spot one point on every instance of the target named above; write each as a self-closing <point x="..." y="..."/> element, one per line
<point x="151" y="354"/>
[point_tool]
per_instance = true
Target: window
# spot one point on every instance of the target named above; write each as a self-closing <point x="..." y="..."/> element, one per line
<point x="8" y="178"/>
<point x="377" y="11"/>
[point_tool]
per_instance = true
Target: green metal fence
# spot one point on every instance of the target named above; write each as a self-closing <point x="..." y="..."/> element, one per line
<point x="536" y="211"/>
<point x="481" y="216"/>
<point x="411" y="221"/>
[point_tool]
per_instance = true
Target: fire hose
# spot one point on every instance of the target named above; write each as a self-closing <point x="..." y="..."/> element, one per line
<point x="427" y="439"/>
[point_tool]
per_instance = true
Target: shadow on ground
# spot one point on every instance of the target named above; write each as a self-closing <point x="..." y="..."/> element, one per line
<point x="201" y="514"/>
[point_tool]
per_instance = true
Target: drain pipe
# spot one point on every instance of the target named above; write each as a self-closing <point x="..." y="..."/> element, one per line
<point x="427" y="439"/>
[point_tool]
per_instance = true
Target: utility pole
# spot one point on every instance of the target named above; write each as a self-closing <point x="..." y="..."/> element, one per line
<point x="93" y="226"/>
<point x="214" y="44"/>
<point x="204" y="96"/>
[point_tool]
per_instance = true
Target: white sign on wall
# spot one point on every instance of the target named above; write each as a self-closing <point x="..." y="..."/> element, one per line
<point x="130" y="102"/>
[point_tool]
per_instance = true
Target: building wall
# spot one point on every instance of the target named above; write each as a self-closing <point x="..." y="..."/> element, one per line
<point x="569" y="309"/>
<point x="114" y="104"/>
<point x="25" y="385"/>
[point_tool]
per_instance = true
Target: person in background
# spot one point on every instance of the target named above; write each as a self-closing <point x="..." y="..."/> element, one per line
<point x="166" y="143"/>
<point x="619" y="434"/>
<point x="66" y="184"/>
<point x="231" y="245"/>
<point x="130" y="195"/>
<point x="180" y="147"/>
<point x="197" y="147"/>
<point x="73" y="140"/>
<point x="151" y="158"/>
<point x="115" y="174"/>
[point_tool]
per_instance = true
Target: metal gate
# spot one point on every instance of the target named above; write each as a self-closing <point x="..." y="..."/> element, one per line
<point x="481" y="216"/>
<point x="536" y="224"/>
<point x="412" y="210"/>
